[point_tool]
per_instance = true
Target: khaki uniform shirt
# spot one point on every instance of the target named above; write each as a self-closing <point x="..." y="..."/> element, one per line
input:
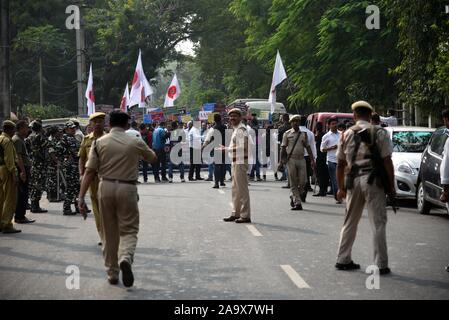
<point x="346" y="146"/>
<point x="21" y="150"/>
<point x="116" y="155"/>
<point x="86" y="145"/>
<point x="288" y="140"/>
<point x="238" y="149"/>
<point x="9" y="153"/>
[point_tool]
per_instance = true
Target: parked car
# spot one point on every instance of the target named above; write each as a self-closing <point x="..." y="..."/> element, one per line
<point x="322" y="117"/>
<point x="408" y="146"/>
<point x="429" y="186"/>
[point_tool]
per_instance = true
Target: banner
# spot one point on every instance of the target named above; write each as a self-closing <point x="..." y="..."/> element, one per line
<point x="147" y="119"/>
<point x="186" y="119"/>
<point x="210" y="117"/>
<point x="157" y="116"/>
<point x="203" y="115"/>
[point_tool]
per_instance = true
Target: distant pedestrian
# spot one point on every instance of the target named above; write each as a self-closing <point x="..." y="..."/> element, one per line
<point x="194" y="137"/>
<point x="321" y="166"/>
<point x="160" y="166"/>
<point x="177" y="136"/>
<point x="330" y="145"/>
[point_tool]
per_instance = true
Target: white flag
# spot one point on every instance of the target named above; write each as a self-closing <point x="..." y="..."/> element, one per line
<point x="279" y="75"/>
<point x="124" y="104"/>
<point x="140" y="88"/>
<point x="90" y="93"/>
<point x="173" y="92"/>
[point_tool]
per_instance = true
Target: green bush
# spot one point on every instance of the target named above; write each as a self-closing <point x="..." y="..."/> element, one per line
<point x="50" y="111"/>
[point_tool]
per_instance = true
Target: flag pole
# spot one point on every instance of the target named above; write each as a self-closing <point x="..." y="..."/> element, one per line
<point x="289" y="85"/>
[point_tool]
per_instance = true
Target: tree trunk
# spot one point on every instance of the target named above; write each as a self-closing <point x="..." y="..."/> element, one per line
<point x="5" y="90"/>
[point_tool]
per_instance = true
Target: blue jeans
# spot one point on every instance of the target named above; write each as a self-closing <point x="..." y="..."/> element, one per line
<point x="170" y="169"/>
<point x="332" y="168"/>
<point x="210" y="168"/>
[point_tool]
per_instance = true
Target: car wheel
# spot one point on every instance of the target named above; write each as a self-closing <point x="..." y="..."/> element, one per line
<point x="422" y="204"/>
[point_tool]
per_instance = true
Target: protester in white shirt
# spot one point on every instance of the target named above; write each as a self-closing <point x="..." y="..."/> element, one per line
<point x="133" y="131"/>
<point x="194" y="137"/>
<point x="391" y="121"/>
<point x="329" y="144"/>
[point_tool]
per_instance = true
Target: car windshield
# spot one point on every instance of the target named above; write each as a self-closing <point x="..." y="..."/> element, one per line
<point x="410" y="141"/>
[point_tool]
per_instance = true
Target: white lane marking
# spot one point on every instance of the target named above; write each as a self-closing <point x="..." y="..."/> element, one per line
<point x="254" y="231"/>
<point x="295" y="277"/>
<point x="221" y="191"/>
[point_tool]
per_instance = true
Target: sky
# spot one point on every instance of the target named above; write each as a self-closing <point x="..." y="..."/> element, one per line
<point x="185" y="47"/>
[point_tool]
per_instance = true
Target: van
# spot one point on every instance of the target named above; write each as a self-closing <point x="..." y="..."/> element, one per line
<point x="322" y="117"/>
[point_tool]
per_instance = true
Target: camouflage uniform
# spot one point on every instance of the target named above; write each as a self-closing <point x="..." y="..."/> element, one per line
<point x="70" y="147"/>
<point x="56" y="151"/>
<point x="38" y="145"/>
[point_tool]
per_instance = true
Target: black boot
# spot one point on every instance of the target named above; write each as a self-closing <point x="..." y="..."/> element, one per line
<point x="35" y="208"/>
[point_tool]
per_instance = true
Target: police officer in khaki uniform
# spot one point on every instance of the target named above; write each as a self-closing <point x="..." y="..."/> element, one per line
<point x="294" y="142"/>
<point x="238" y="151"/>
<point x="96" y="121"/>
<point x="355" y="157"/>
<point x="114" y="157"/>
<point x="8" y="178"/>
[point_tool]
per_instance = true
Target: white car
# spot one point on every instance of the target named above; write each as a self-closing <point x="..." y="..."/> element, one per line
<point x="408" y="146"/>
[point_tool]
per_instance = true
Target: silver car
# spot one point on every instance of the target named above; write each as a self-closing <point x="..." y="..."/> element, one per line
<point x="408" y="146"/>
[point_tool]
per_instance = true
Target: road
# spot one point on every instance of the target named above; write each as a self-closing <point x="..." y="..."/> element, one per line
<point x="186" y="251"/>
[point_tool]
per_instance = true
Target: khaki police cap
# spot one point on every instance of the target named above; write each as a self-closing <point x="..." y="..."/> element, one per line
<point x="235" y="110"/>
<point x="295" y="118"/>
<point x="8" y="124"/>
<point x="97" y="115"/>
<point x="361" y="104"/>
<point x="70" y="124"/>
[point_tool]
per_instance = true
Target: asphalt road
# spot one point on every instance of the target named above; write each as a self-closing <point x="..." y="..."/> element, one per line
<point x="186" y="251"/>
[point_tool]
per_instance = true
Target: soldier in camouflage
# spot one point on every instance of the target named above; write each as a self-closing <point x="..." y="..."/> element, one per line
<point x="56" y="155"/>
<point x="71" y="147"/>
<point x="38" y="145"/>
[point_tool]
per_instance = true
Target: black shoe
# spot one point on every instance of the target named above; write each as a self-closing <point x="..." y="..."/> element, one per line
<point x="191" y="179"/>
<point x="11" y="230"/>
<point x="100" y="243"/>
<point x="447" y="268"/>
<point x="222" y="184"/>
<point x="127" y="274"/>
<point x="303" y="198"/>
<point x="319" y="195"/>
<point x="286" y="187"/>
<point x="384" y="271"/>
<point x="347" y="266"/>
<point x="209" y="179"/>
<point x="38" y="210"/>
<point x="298" y="207"/>
<point x="199" y="179"/>
<point x="216" y="186"/>
<point x="69" y="212"/>
<point x="230" y="219"/>
<point x="292" y="203"/>
<point x="24" y="221"/>
<point x="243" y="220"/>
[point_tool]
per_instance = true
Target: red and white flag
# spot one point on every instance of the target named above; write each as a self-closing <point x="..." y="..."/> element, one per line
<point x="90" y="93"/>
<point x="140" y="88"/>
<point x="173" y="92"/>
<point x="279" y="75"/>
<point x="124" y="104"/>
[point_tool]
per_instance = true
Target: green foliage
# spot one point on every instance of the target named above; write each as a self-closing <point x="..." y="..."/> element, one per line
<point x="40" y="40"/>
<point x="35" y="111"/>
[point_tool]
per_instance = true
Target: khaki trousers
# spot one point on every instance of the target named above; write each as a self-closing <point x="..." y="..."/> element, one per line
<point x="93" y="190"/>
<point x="240" y="192"/>
<point x="375" y="200"/>
<point x="120" y="213"/>
<point x="8" y="197"/>
<point x="297" y="176"/>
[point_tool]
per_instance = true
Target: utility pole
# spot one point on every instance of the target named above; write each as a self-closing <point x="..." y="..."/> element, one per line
<point x="81" y="64"/>
<point x="5" y="89"/>
<point x="41" y="83"/>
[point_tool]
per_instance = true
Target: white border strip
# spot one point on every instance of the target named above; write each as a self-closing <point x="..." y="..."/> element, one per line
<point x="295" y="277"/>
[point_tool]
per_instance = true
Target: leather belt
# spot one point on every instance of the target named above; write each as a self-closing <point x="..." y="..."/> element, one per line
<point x="119" y="181"/>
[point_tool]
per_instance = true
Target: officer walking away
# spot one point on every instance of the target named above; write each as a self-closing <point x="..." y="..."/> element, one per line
<point x="444" y="169"/>
<point x="96" y="121"/>
<point x="39" y="148"/>
<point x="238" y="151"/>
<point x="71" y="147"/>
<point x="364" y="156"/>
<point x="114" y="158"/>
<point x="294" y="143"/>
<point x="8" y="178"/>
<point x="24" y="167"/>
